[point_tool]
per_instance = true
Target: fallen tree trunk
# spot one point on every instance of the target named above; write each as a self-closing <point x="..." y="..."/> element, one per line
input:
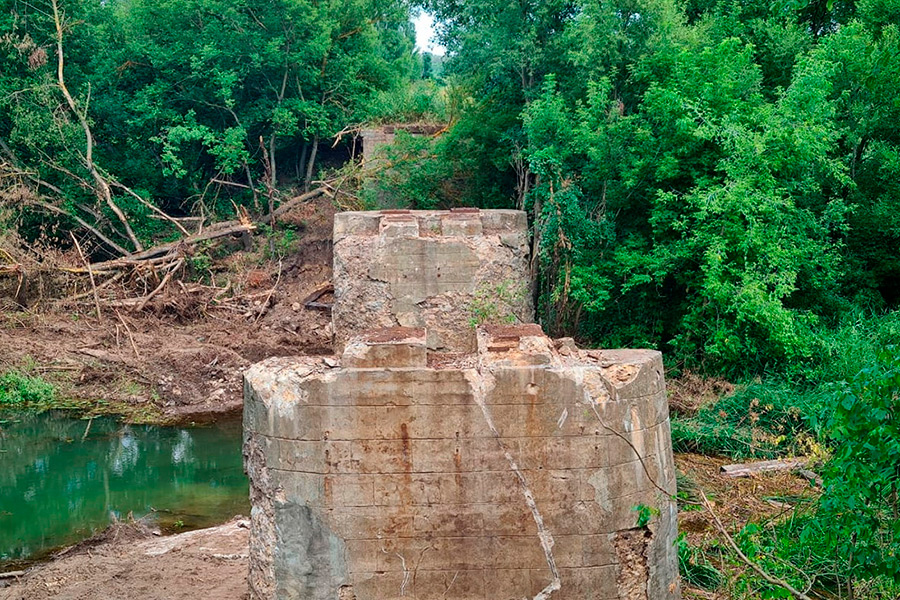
<point x="763" y="466"/>
<point x="286" y="206"/>
<point x="11" y="574"/>
<point x="162" y="253"/>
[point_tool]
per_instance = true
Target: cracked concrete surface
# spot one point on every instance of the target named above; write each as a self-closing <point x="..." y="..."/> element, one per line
<point x="433" y="269"/>
<point x="429" y="459"/>
<point x="485" y="380"/>
<point x="463" y="468"/>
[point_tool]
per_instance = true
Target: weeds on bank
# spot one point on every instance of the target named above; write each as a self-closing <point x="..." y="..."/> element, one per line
<point x="19" y="390"/>
<point x="763" y="419"/>
<point x="786" y="414"/>
<point x="22" y="390"/>
<point x="846" y="542"/>
<point x="776" y="547"/>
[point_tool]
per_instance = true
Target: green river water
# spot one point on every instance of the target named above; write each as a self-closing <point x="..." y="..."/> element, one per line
<point x="59" y="486"/>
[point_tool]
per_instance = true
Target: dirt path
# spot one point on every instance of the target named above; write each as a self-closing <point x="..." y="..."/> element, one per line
<point x="207" y="563"/>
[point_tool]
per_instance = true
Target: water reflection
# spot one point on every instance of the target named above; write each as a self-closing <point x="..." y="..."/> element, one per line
<point x="61" y="481"/>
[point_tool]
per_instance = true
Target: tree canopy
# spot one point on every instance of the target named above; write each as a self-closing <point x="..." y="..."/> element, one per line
<point x="177" y="94"/>
<point x="713" y="178"/>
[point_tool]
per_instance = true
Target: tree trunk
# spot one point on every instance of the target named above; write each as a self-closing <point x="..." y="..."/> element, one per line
<point x="102" y="189"/>
<point x="301" y="161"/>
<point x="310" y="166"/>
<point x="535" y="250"/>
<point x="272" y="171"/>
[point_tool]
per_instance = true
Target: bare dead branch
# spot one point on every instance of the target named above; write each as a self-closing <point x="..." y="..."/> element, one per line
<point x="103" y="285"/>
<point x="217" y="231"/>
<point x="286" y="206"/>
<point x="130" y="337"/>
<point x="102" y="190"/>
<point x="87" y="265"/>
<point x="162" y="284"/>
<point x="759" y="570"/>
<point x="150" y="205"/>
<point x="82" y="222"/>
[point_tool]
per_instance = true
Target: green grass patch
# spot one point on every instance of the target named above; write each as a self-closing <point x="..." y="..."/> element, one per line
<point x="764" y="419"/>
<point x="19" y="390"/>
<point x="695" y="568"/>
<point x="782" y="415"/>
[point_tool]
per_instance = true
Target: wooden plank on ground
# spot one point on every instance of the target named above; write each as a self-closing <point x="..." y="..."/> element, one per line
<point x="763" y="466"/>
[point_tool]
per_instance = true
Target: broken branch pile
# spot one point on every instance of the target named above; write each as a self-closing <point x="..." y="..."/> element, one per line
<point x="136" y="279"/>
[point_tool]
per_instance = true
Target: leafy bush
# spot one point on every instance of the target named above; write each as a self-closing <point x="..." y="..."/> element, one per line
<point x="847" y="539"/>
<point x="416" y="101"/>
<point x="763" y="419"/>
<point x="858" y="515"/>
<point x="20" y="390"/>
<point x="851" y="345"/>
<point x="779" y="415"/>
<point x="279" y="243"/>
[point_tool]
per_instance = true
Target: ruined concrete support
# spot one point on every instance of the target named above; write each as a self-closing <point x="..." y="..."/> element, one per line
<point x="510" y="472"/>
<point x="441" y="270"/>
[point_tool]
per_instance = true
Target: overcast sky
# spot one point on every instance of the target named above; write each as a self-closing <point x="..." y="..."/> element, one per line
<point x="424" y="34"/>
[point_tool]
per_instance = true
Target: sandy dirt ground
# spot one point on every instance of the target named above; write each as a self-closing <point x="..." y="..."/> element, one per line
<point x="133" y="564"/>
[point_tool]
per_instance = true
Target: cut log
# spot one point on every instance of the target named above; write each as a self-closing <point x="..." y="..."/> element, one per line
<point x="763" y="466"/>
<point x="99" y="354"/>
<point x="810" y="476"/>
<point x="11" y="574"/>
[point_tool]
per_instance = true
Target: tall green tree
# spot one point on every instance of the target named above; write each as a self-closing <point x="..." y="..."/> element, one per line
<point x="183" y="96"/>
<point x="709" y="177"/>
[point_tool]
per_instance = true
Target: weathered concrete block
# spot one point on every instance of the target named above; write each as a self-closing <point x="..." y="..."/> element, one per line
<point x="394" y="472"/>
<point x="393" y="347"/>
<point x="441" y="270"/>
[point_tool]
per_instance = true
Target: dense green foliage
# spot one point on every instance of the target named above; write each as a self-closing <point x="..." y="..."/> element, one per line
<point x="774" y="416"/>
<point x="184" y="95"/>
<point x="716" y="179"/>
<point x="848" y="539"/>
<point x="858" y="514"/>
<point x="19" y="390"/>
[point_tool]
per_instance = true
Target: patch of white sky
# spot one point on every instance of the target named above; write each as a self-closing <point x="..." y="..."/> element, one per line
<point x="425" y="34"/>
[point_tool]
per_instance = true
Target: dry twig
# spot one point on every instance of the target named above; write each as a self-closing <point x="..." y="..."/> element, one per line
<point x="162" y="284"/>
<point x="130" y="337"/>
<point x="91" y="275"/>
<point x="759" y="570"/>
